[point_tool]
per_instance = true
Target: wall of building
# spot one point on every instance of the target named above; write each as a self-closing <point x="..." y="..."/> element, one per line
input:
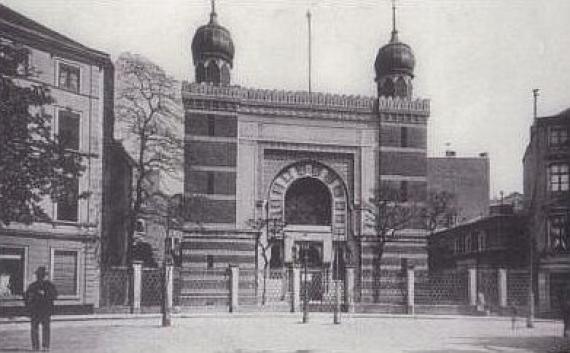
<point x="467" y="178"/>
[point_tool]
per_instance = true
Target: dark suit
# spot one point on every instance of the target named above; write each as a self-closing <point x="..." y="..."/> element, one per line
<point x="39" y="301"/>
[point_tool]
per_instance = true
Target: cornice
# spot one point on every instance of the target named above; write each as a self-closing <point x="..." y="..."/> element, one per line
<point x="303" y="105"/>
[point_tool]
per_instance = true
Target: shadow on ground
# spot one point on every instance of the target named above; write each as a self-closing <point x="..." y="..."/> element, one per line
<point x="551" y="344"/>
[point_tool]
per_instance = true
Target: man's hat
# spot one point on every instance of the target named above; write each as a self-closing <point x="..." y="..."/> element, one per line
<point x="41" y="271"/>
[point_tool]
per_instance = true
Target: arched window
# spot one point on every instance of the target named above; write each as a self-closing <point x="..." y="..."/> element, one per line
<point x="401" y="88"/>
<point x="387" y="88"/>
<point x="308" y="201"/>
<point x="213" y="73"/>
<point x="200" y="73"/>
<point x="225" y="75"/>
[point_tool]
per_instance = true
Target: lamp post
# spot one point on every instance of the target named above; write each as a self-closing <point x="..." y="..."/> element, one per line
<point x="165" y="303"/>
<point x="305" y="247"/>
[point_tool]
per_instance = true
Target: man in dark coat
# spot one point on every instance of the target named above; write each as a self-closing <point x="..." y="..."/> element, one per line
<point x="39" y="301"/>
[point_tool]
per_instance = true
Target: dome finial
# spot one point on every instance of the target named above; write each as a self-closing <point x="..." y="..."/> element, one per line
<point x="394" y="30"/>
<point x="213" y="14"/>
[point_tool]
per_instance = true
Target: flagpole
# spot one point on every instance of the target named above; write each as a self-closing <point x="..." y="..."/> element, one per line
<point x="309" y="49"/>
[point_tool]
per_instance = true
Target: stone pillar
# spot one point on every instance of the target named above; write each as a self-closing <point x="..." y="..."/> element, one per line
<point x="472" y="286"/>
<point x="544" y="291"/>
<point x="295" y="276"/>
<point x="349" y="289"/>
<point x="411" y="277"/>
<point x="137" y="287"/>
<point x="502" y="287"/>
<point x="234" y="288"/>
<point x="169" y="285"/>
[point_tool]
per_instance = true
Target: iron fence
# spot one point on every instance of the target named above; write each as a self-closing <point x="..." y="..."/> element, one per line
<point x="151" y="286"/>
<point x="517" y="287"/>
<point x="441" y="288"/>
<point x="115" y="286"/>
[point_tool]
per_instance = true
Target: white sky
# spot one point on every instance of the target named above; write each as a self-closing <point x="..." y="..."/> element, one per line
<point x="477" y="60"/>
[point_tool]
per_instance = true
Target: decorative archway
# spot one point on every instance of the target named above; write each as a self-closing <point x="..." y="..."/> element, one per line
<point x="300" y="172"/>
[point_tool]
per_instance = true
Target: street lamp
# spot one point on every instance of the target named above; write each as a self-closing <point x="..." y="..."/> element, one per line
<point x="305" y="246"/>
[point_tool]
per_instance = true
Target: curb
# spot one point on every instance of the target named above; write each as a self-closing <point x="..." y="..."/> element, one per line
<point x="250" y="315"/>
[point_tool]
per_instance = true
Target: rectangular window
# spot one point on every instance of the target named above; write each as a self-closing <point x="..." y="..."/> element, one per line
<point x="559" y="177"/>
<point x="68" y="204"/>
<point x="12" y="271"/>
<point x="68" y="129"/>
<point x="558" y="137"/>
<point x="211" y="125"/>
<point x="403" y="136"/>
<point x="209" y="261"/>
<point x="69" y="77"/>
<point x="404" y="191"/>
<point x="64" y="272"/>
<point x="558" y="232"/>
<point x="210" y="181"/>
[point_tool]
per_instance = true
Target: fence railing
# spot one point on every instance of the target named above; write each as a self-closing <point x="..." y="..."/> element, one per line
<point x="286" y="288"/>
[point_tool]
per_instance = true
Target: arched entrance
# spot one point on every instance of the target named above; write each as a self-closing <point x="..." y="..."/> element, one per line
<point x="312" y="200"/>
<point x="308" y="202"/>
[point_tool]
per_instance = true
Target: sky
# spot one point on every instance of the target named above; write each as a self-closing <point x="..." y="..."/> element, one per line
<point x="476" y="60"/>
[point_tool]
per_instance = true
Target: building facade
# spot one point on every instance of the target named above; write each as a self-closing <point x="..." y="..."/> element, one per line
<point x="547" y="201"/>
<point x="80" y="80"/>
<point x="305" y="163"/>
<point x="467" y="178"/>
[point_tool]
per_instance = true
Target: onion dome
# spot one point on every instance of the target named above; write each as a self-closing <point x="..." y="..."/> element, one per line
<point x="212" y="41"/>
<point x="395" y="58"/>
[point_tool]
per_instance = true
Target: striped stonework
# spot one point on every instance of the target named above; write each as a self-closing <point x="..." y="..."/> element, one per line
<point x="206" y="258"/>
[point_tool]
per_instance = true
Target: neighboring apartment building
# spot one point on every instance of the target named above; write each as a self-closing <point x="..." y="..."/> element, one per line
<point x="547" y="200"/>
<point x="465" y="177"/>
<point x="81" y="82"/>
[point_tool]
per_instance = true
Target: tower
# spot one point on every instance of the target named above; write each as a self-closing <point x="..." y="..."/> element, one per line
<point x="394" y="66"/>
<point x="213" y="52"/>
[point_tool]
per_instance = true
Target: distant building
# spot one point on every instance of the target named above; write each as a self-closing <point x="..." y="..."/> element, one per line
<point x="495" y="241"/>
<point x="80" y="80"/>
<point x="547" y="201"/>
<point x="465" y="177"/>
<point x="514" y="200"/>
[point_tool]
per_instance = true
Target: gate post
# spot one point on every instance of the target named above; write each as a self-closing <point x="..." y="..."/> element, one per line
<point x="472" y="286"/>
<point x="295" y="287"/>
<point x="234" y="288"/>
<point x="502" y="286"/>
<point x="349" y="289"/>
<point x="411" y="277"/>
<point x="137" y="287"/>
<point x="544" y="291"/>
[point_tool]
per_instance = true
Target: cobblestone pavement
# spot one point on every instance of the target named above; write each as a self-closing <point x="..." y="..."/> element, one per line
<point x="285" y="334"/>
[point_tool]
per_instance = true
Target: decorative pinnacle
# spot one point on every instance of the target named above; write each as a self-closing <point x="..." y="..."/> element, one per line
<point x="394" y="30"/>
<point x="213" y="14"/>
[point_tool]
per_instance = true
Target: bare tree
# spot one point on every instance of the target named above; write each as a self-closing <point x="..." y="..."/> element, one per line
<point x="439" y="211"/>
<point x="150" y="122"/>
<point x="388" y="212"/>
<point x="273" y="227"/>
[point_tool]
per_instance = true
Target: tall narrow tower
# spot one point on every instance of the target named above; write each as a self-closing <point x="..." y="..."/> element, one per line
<point x="394" y="66"/>
<point x="213" y="52"/>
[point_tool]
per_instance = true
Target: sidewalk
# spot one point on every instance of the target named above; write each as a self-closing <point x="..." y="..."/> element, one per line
<point x="261" y="314"/>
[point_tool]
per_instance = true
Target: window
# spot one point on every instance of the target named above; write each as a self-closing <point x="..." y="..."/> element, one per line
<point x="558" y="232"/>
<point x="64" y="272"/>
<point x="482" y="241"/>
<point x="12" y="271"/>
<point x="69" y="77"/>
<point x="68" y="203"/>
<point x="140" y="226"/>
<point x="211" y="125"/>
<point x="403" y="136"/>
<point x="558" y="136"/>
<point x="559" y="177"/>
<point x="404" y="191"/>
<point x="209" y="261"/>
<point x="210" y="183"/>
<point x="68" y="129"/>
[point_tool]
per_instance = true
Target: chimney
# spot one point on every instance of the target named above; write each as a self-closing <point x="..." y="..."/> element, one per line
<point x="484" y="155"/>
<point x="450" y="153"/>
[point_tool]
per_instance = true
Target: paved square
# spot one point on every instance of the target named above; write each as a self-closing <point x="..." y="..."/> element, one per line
<point x="284" y="334"/>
